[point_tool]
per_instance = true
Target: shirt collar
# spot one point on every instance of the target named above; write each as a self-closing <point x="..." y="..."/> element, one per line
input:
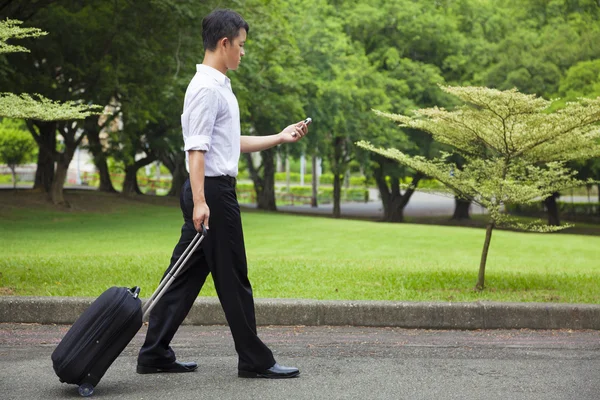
<point x="217" y="75"/>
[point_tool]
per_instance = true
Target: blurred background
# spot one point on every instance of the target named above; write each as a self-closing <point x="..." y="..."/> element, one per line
<point x="332" y="60"/>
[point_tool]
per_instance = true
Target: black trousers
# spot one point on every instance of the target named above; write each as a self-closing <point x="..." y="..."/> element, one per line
<point x="223" y="254"/>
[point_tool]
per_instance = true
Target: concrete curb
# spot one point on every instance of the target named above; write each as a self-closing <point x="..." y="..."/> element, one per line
<point x="424" y="315"/>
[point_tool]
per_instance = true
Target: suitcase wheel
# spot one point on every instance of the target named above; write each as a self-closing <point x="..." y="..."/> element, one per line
<point x="86" y="389"/>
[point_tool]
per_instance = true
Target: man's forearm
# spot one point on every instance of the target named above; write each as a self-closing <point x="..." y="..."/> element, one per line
<point x="196" y="159"/>
<point x="250" y="144"/>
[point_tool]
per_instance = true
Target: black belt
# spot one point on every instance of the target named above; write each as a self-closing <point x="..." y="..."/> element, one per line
<point x="229" y="179"/>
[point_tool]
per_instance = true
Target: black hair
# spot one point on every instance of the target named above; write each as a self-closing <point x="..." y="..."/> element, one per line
<point x="219" y="24"/>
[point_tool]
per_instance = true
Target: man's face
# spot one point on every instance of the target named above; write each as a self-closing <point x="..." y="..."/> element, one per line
<point x="234" y="50"/>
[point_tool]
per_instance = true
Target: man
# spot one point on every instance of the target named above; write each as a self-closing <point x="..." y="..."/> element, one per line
<point x="211" y="130"/>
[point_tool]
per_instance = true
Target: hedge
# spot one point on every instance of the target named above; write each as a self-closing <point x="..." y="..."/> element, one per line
<point x="327" y="179"/>
<point x="564" y="207"/>
<point x="324" y="196"/>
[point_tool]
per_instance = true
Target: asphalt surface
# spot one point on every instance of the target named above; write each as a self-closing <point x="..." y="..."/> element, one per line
<point x="421" y="204"/>
<point x="335" y="363"/>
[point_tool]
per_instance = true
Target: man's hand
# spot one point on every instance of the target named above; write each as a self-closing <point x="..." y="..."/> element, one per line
<point x="201" y="215"/>
<point x="294" y="132"/>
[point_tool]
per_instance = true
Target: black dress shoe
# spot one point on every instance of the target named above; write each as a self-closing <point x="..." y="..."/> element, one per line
<point x="175" y="366"/>
<point x="275" y="372"/>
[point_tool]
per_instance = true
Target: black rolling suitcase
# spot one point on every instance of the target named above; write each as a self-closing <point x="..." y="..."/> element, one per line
<point x="103" y="331"/>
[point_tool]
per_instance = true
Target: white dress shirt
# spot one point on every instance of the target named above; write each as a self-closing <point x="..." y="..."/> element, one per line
<point x="211" y="121"/>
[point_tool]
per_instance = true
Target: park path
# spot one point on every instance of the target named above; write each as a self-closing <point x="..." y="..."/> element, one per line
<point x="335" y="363"/>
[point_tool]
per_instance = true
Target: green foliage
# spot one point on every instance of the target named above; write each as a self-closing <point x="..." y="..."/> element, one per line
<point x="25" y="106"/>
<point x="581" y="80"/>
<point x="40" y="108"/>
<point x="16" y="144"/>
<point x="325" y="194"/>
<point x="268" y="84"/>
<point x="329" y="59"/>
<point x="514" y="151"/>
<point x="303" y="194"/>
<point x="11" y="29"/>
<point x="294" y="177"/>
<point x="542" y="41"/>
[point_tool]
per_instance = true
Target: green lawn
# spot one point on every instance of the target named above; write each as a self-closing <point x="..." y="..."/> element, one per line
<point x="107" y="240"/>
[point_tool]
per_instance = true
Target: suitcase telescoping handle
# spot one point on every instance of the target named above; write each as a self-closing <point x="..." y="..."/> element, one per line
<point x="172" y="274"/>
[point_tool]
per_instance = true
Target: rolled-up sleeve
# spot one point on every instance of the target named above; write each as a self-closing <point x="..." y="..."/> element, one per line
<point x="198" y="119"/>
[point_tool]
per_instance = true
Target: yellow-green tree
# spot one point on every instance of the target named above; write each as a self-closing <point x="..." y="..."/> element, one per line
<point x="37" y="107"/>
<point x="515" y="150"/>
<point x="26" y="106"/>
<point x="16" y="145"/>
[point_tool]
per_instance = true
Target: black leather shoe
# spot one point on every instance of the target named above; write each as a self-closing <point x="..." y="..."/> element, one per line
<point x="175" y="366"/>
<point x="275" y="372"/>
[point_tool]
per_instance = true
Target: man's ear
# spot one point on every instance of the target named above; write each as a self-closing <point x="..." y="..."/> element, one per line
<point x="224" y="42"/>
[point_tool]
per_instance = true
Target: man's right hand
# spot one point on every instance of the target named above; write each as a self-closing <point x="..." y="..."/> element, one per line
<point x="201" y="215"/>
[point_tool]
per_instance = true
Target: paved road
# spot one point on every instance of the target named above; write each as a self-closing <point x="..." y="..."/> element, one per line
<point x="336" y="363"/>
<point x="421" y="204"/>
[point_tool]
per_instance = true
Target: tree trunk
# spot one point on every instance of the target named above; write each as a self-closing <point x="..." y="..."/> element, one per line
<point x="384" y="191"/>
<point x="395" y="212"/>
<point x="396" y="201"/>
<point x="266" y="198"/>
<point x="60" y="175"/>
<point x="393" y="200"/>
<point x="95" y="146"/>
<point x="336" y="161"/>
<point x="598" y="187"/>
<point x="552" y="209"/>
<point x="287" y="174"/>
<point x="314" y="202"/>
<point x="337" y="188"/>
<point x="486" y="245"/>
<point x="175" y="163"/>
<point x="130" y="184"/>
<point x="461" y="209"/>
<point x="264" y="185"/>
<point x="46" y="140"/>
<point x="13" y="170"/>
<point x="71" y="141"/>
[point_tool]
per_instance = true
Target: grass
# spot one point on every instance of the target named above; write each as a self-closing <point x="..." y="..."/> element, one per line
<point x="106" y="240"/>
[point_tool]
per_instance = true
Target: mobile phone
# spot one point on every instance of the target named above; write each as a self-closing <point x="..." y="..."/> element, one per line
<point x="307" y="121"/>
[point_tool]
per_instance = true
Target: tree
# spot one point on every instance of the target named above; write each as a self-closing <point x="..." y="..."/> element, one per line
<point x="268" y="86"/>
<point x="543" y="40"/>
<point x="581" y="80"/>
<point x="514" y="149"/>
<point x="41" y="114"/>
<point x="415" y="46"/>
<point x="26" y="106"/>
<point x="16" y="145"/>
<point x="39" y="108"/>
<point x="342" y="86"/>
<point x="150" y="96"/>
